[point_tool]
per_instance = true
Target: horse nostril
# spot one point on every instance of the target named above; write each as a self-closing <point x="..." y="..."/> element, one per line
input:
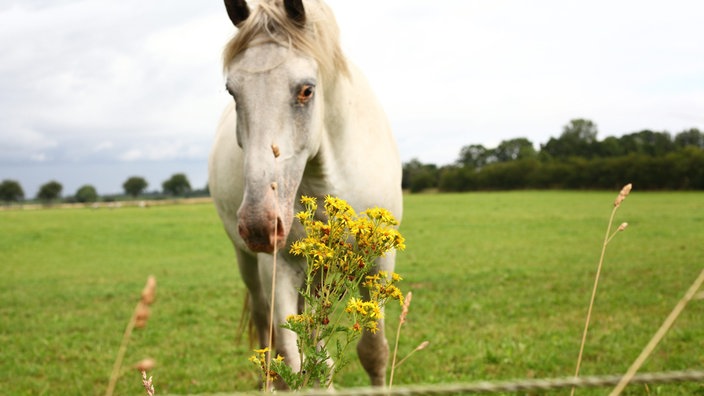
<point x="279" y="228"/>
<point x="243" y="231"/>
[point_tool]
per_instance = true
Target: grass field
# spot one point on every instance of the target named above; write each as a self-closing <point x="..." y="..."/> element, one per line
<point x="501" y="283"/>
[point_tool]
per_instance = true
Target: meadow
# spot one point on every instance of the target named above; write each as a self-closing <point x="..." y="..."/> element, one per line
<point x="501" y="283"/>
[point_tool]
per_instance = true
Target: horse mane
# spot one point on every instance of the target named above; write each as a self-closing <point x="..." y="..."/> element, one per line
<point x="318" y="38"/>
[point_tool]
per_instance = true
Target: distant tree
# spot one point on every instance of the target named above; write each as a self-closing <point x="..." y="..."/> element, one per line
<point x="610" y="147"/>
<point x="177" y="185"/>
<point x="418" y="176"/>
<point x="86" y="194"/>
<point x="11" y="191"/>
<point x="514" y="149"/>
<point x="457" y="178"/>
<point x="647" y="142"/>
<point x="407" y="170"/>
<point x="134" y="186"/>
<point x="50" y="191"/>
<point x="690" y="137"/>
<point x="578" y="139"/>
<point x="581" y="130"/>
<point x="475" y="156"/>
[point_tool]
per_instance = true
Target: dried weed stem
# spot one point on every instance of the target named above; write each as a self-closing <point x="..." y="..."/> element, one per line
<point x="402" y="320"/>
<point x="137" y="320"/>
<point x="267" y="385"/>
<point x="607" y="238"/>
<point x="689" y="295"/>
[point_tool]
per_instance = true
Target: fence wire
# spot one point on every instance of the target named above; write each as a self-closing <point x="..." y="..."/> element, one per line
<point x="502" y="387"/>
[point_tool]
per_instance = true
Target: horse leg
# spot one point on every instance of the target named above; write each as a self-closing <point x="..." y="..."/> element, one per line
<point x="258" y="300"/>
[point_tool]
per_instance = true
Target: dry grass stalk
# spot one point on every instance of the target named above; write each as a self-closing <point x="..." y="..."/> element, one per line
<point x="148" y="384"/>
<point x="137" y="320"/>
<point x="267" y="385"/>
<point x="607" y="238"/>
<point x="402" y="320"/>
<point x="664" y="328"/>
<point x="420" y="347"/>
<point x="275" y="150"/>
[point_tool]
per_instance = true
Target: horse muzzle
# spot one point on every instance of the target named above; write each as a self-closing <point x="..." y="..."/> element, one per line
<point x="262" y="231"/>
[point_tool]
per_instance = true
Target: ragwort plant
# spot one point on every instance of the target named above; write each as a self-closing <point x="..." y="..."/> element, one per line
<point x="340" y="253"/>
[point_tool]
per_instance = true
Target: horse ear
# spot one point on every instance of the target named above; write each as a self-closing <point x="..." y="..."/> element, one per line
<point x="237" y="10"/>
<point x="295" y="11"/>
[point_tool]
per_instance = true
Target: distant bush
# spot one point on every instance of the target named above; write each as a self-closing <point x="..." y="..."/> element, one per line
<point x="11" y="191"/>
<point x="86" y="194"/>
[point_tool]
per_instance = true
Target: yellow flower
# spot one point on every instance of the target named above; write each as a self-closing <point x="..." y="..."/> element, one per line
<point x="382" y="215"/>
<point x="308" y="201"/>
<point x="375" y="311"/>
<point x="303" y="216"/>
<point x="352" y="305"/>
<point x="298" y="248"/>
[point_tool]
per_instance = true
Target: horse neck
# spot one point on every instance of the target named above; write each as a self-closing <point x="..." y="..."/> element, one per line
<point x="354" y="129"/>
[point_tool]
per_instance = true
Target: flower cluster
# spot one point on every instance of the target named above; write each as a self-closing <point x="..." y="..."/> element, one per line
<point x="365" y="314"/>
<point x="382" y="287"/>
<point x="340" y="252"/>
<point x="345" y="242"/>
<point x="259" y="360"/>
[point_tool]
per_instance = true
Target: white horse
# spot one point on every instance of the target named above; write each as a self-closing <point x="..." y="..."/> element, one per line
<point x="294" y="90"/>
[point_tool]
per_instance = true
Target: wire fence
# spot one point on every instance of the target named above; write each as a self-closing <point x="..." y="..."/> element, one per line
<point x="528" y="385"/>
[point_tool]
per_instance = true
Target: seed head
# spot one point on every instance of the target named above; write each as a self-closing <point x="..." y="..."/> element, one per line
<point x="142" y="315"/>
<point x="623" y="226"/>
<point x="275" y="150"/>
<point x="422" y="345"/>
<point x="145" y="364"/>
<point x="404" y="309"/>
<point x="149" y="291"/>
<point x="623" y="194"/>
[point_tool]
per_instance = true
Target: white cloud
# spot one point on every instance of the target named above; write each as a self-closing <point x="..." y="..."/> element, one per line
<point x="162" y="150"/>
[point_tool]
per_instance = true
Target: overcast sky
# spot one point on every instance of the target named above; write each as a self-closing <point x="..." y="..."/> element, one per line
<point x="92" y="92"/>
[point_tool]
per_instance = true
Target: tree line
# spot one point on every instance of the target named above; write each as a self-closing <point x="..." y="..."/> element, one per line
<point x="651" y="160"/>
<point x="177" y="186"/>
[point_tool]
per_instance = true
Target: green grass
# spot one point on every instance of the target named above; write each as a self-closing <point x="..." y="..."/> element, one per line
<point x="501" y="283"/>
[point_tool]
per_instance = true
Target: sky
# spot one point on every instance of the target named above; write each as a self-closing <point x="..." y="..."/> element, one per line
<point x="96" y="91"/>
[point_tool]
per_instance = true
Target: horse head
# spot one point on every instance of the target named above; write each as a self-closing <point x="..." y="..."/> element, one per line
<point x="276" y="89"/>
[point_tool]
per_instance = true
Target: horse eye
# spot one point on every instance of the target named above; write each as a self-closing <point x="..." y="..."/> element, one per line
<point x="305" y="93"/>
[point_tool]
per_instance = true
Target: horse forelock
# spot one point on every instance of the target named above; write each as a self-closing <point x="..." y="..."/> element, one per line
<point x="319" y="38"/>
